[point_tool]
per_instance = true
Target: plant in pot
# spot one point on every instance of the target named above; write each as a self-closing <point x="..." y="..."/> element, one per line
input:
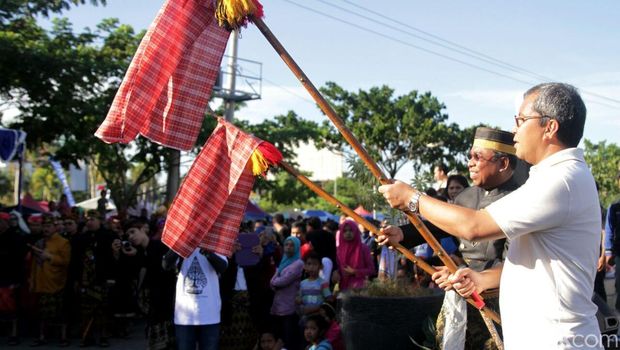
<point x="388" y="315"/>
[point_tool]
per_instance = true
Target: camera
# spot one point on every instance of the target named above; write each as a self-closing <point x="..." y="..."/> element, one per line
<point x="126" y="244"/>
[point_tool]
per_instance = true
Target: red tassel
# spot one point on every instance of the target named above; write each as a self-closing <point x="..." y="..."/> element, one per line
<point x="259" y="11"/>
<point x="270" y="152"/>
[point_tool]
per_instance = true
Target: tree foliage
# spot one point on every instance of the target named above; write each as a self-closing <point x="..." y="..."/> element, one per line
<point x="285" y="131"/>
<point x="11" y="10"/>
<point x="63" y="83"/>
<point x="397" y="130"/>
<point x="604" y="162"/>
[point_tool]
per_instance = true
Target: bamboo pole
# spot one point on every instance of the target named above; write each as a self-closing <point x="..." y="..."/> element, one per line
<point x="372" y="166"/>
<point x="372" y="228"/>
<point x="350" y="138"/>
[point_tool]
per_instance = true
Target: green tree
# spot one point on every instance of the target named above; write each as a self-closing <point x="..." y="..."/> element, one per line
<point x="397" y="130"/>
<point x="284" y="192"/>
<point x="285" y="131"/>
<point x="15" y="9"/>
<point x="63" y="84"/>
<point x="44" y="184"/>
<point x="6" y="187"/>
<point x="604" y="162"/>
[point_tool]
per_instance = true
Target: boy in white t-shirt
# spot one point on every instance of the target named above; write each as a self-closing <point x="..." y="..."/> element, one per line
<point x="198" y="303"/>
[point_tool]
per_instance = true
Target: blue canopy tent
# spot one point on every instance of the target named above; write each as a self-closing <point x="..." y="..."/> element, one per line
<point x="253" y="213"/>
<point x="321" y="214"/>
<point x="12" y="145"/>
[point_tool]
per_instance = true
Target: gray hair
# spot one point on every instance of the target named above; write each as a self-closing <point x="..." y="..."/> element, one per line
<point x="563" y="103"/>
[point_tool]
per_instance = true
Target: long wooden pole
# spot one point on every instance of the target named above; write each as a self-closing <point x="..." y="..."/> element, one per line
<point x="372" y="166"/>
<point x="350" y="138"/>
<point x="372" y="228"/>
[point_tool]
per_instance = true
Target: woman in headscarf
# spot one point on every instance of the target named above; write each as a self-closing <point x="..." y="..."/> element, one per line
<point x="354" y="260"/>
<point x="285" y="283"/>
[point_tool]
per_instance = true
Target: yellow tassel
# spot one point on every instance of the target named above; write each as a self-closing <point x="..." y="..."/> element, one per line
<point x="259" y="163"/>
<point x="232" y="14"/>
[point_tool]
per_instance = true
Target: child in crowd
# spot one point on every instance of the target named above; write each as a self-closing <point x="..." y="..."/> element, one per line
<point x="316" y="326"/>
<point x="285" y="284"/>
<point x="313" y="290"/>
<point x="333" y="333"/>
<point x="269" y="341"/>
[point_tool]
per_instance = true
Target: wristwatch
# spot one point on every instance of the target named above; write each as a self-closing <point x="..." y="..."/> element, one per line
<point x="413" y="202"/>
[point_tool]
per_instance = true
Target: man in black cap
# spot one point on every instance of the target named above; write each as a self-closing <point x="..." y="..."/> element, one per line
<point x="491" y="165"/>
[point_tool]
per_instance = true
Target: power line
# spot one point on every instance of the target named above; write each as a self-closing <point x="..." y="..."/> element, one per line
<point x="475" y="53"/>
<point x="386" y="36"/>
<point x="285" y="89"/>
<point x="408" y="43"/>
<point x="460" y="49"/>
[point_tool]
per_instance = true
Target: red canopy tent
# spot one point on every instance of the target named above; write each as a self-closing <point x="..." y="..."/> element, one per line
<point x="31" y="203"/>
<point x="361" y="211"/>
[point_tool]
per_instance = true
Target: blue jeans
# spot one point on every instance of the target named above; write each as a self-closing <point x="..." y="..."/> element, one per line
<point x="206" y="336"/>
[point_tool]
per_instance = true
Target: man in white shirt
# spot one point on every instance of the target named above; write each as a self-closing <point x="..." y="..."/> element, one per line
<point x="552" y="222"/>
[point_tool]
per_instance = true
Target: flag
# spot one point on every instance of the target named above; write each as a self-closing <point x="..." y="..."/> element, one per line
<point x="208" y="209"/>
<point x="166" y="89"/>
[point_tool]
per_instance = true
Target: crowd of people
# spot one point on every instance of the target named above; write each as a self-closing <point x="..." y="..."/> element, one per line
<point x="78" y="275"/>
<point x="90" y="275"/>
<point x="81" y="276"/>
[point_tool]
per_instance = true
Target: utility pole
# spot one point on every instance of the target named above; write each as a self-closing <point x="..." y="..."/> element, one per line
<point x="174" y="156"/>
<point x="232" y="70"/>
<point x="174" y="174"/>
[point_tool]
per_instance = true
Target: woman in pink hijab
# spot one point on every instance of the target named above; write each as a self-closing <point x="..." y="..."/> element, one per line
<point x="354" y="259"/>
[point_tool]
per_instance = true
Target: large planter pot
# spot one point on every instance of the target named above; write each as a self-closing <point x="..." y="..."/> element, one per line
<point x="386" y="322"/>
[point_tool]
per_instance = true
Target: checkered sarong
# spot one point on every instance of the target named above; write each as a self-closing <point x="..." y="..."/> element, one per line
<point x="210" y="204"/>
<point x="165" y="92"/>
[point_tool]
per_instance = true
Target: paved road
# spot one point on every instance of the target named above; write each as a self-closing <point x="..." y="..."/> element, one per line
<point x="135" y="341"/>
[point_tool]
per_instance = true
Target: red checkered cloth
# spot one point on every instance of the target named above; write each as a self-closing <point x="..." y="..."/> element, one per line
<point x="210" y="204"/>
<point x="165" y="92"/>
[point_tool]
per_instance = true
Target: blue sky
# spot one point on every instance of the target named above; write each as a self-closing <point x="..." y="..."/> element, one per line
<point x="571" y="41"/>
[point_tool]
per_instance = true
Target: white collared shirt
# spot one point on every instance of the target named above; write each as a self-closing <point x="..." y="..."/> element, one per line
<point x="553" y="223"/>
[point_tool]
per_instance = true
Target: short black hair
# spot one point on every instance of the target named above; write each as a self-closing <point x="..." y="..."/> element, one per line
<point x="458" y="178"/>
<point x="441" y="166"/>
<point x="315" y="223"/>
<point x="512" y="159"/>
<point x="563" y="103"/>
<point x="320" y="322"/>
<point x="278" y="218"/>
<point x="331" y="226"/>
<point x="312" y="255"/>
<point x="300" y="225"/>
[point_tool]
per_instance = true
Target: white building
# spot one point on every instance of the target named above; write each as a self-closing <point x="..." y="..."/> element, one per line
<point x="323" y="164"/>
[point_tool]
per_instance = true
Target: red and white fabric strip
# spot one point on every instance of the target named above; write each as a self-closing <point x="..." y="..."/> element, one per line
<point x="168" y="85"/>
<point x="210" y="204"/>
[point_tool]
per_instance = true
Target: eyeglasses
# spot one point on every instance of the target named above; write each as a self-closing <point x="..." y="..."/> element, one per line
<point x="519" y="120"/>
<point x="476" y="156"/>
